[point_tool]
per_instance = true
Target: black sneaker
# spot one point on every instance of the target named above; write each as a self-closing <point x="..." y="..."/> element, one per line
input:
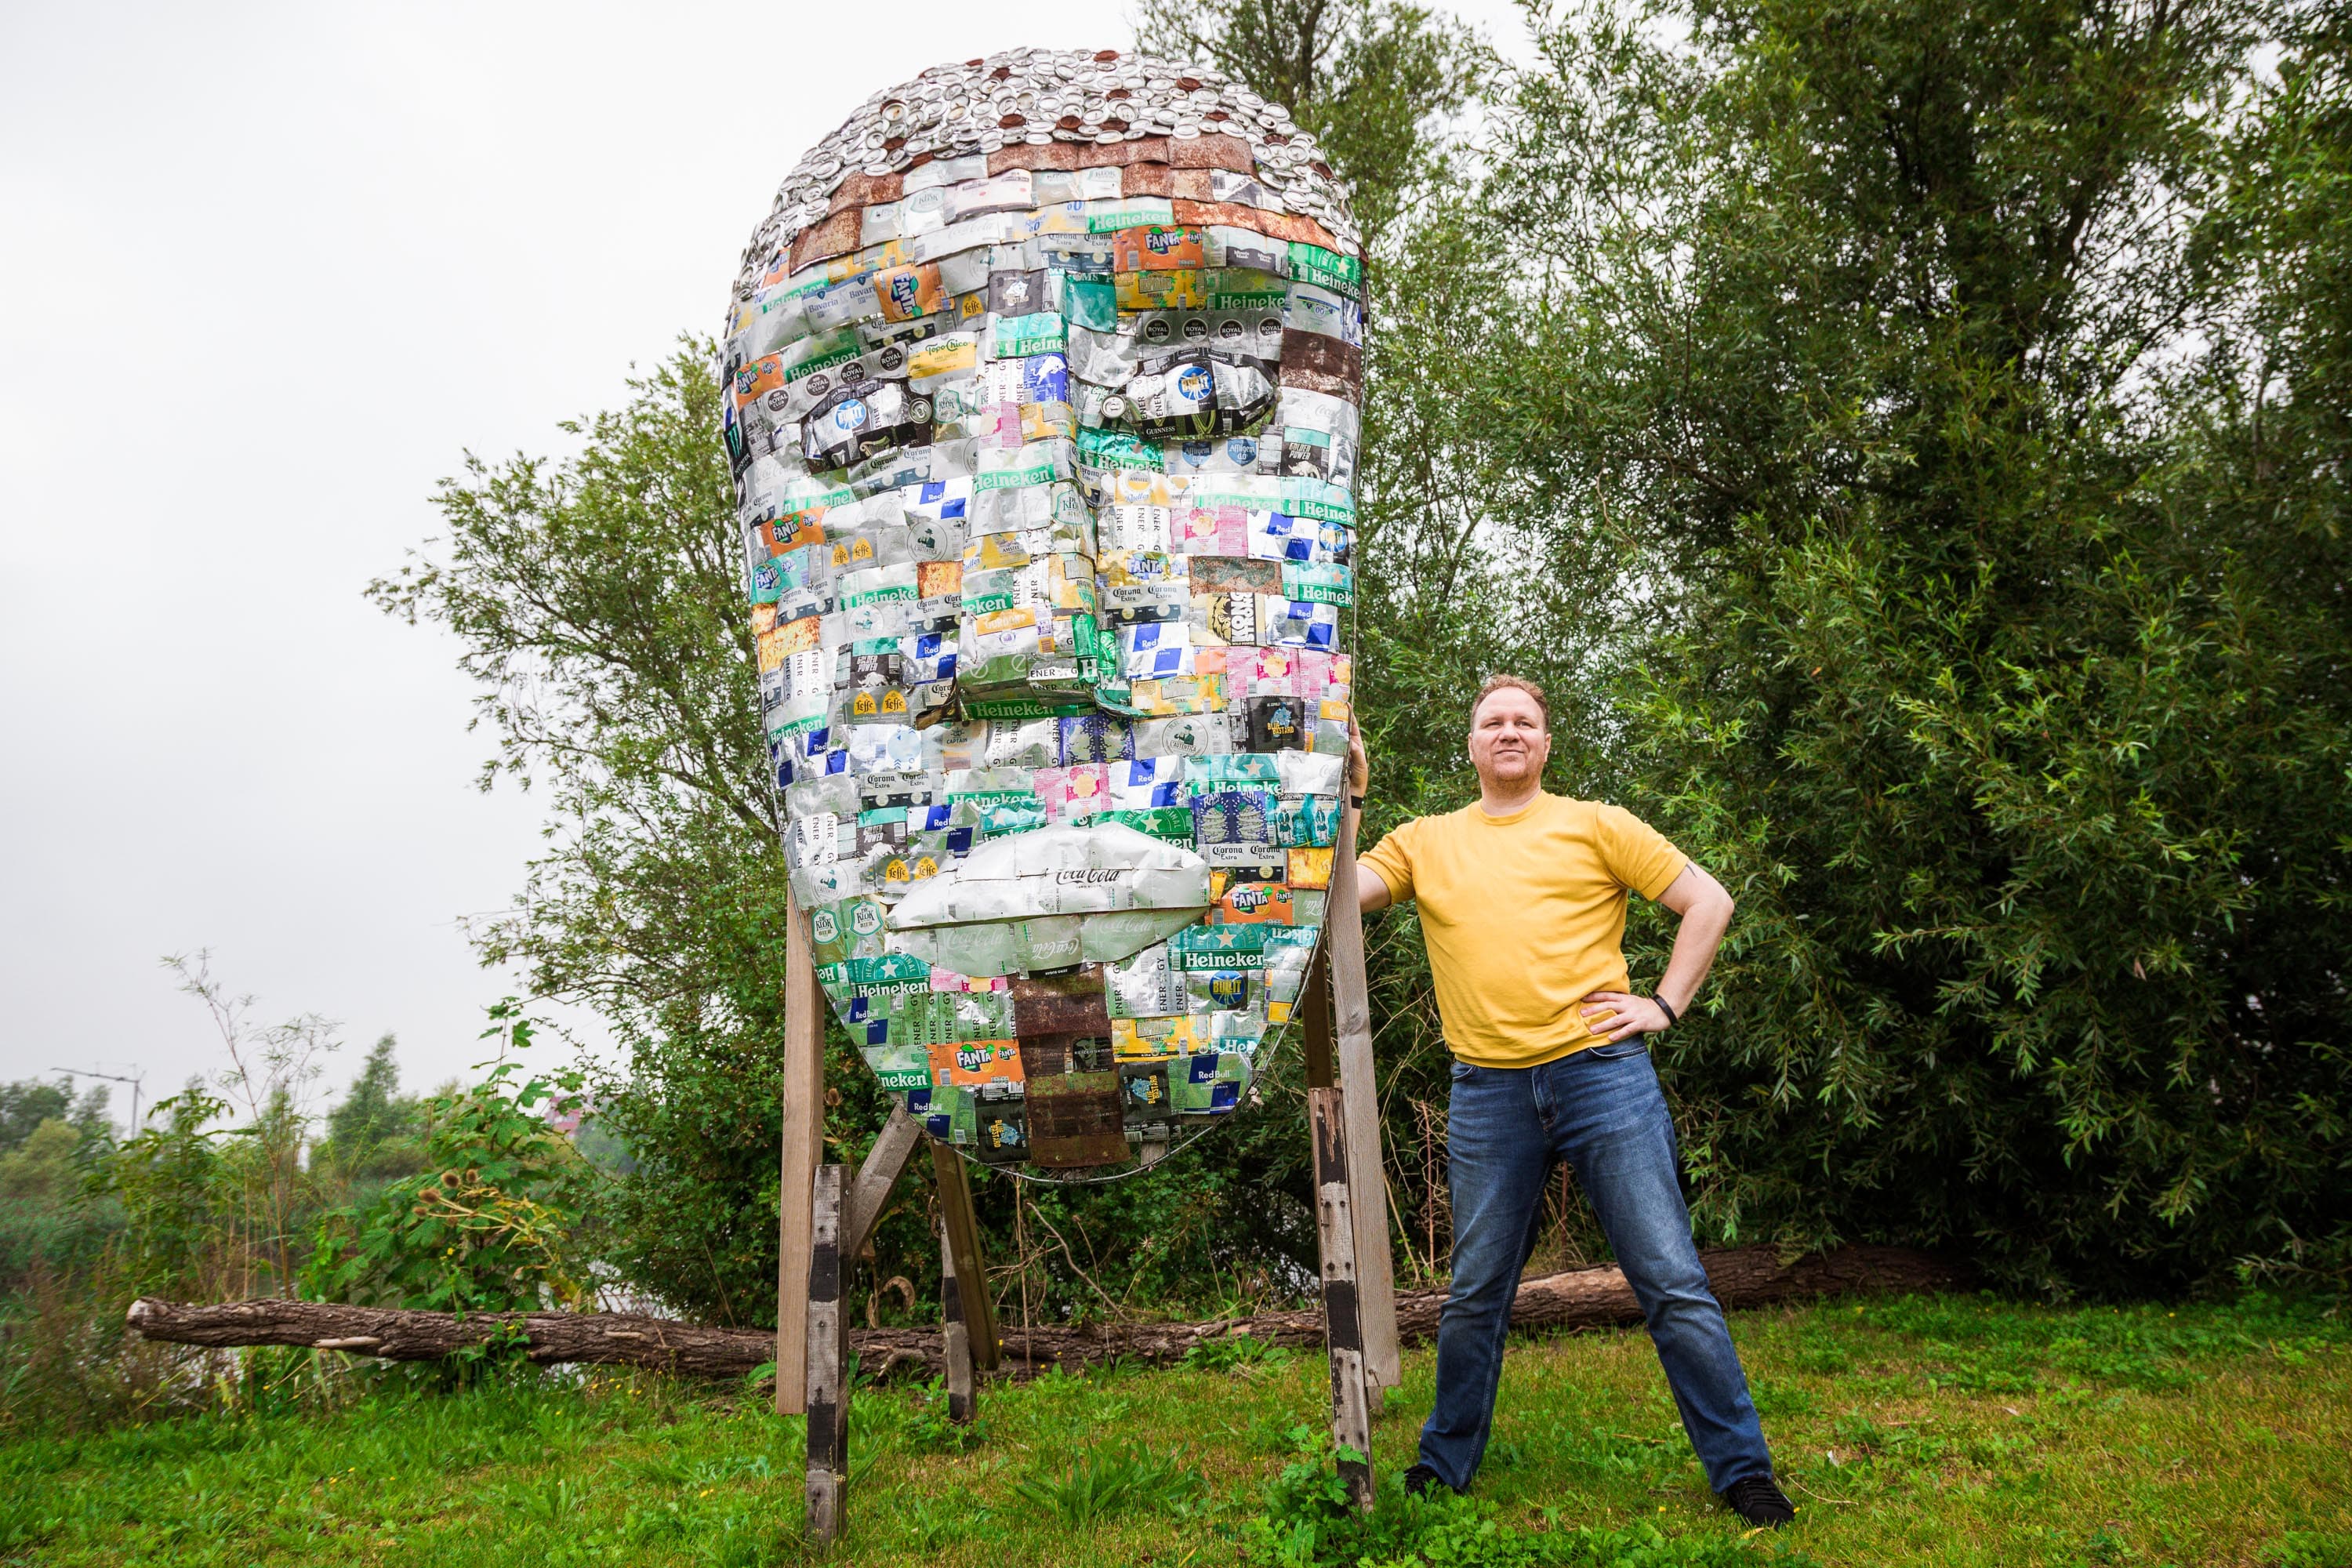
<point x="1419" y="1478"/>
<point x="1759" y="1501"/>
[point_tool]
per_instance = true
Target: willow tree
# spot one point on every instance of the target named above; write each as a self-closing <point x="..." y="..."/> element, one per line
<point x="1958" y="391"/>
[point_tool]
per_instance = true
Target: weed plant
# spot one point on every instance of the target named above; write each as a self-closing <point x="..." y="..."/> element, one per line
<point x="1098" y="1485"/>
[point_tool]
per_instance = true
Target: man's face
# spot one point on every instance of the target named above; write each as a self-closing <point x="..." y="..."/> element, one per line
<point x="1508" y="741"/>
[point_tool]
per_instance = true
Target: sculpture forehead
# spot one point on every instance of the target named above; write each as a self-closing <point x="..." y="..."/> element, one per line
<point x="1056" y="110"/>
<point x="1042" y="409"/>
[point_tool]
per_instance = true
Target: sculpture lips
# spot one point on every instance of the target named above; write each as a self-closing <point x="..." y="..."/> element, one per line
<point x="1051" y="897"/>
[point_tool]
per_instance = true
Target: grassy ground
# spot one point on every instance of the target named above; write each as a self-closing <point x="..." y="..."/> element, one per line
<point x="1943" y="1431"/>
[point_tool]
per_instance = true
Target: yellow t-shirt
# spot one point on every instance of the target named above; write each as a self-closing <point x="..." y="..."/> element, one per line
<point x="1524" y="916"/>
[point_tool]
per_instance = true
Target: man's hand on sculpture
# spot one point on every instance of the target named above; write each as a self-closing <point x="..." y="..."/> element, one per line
<point x="1360" y="762"/>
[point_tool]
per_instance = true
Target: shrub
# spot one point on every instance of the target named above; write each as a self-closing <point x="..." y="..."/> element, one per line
<point x="493" y="1224"/>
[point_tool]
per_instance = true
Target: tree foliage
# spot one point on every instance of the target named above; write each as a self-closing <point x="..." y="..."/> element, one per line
<point x="1979" y="500"/>
<point x="28" y="1104"/>
<point x="373" y="1133"/>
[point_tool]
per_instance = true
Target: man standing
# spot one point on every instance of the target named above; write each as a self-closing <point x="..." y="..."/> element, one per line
<point x="1522" y="903"/>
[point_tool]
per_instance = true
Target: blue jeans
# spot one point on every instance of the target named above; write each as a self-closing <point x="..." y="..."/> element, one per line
<point x="1602" y="1111"/>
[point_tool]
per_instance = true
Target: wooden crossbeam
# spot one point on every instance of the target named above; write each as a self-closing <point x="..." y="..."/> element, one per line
<point x="870" y="1193"/>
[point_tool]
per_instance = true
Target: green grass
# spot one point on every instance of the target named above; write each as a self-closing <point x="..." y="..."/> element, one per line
<point x="1950" y="1430"/>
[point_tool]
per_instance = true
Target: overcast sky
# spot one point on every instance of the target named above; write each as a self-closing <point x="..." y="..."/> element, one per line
<point x="266" y="273"/>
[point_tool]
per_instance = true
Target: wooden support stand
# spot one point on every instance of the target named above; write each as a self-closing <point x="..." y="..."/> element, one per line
<point x="1351" y="1183"/>
<point x="1369" y="1191"/>
<point x="804" y="1145"/>
<point x="1343" y="1336"/>
<point x="827" y="1219"/>
<point x="842" y="1215"/>
<point x="828" y="1363"/>
<point x="961" y="1222"/>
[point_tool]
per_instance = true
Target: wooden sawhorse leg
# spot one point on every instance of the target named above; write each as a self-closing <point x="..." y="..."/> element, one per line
<point x="842" y="1215"/>
<point x="1351" y="1184"/>
<point x="1350" y="997"/>
<point x="970" y="1312"/>
<point x="828" y="1364"/>
<point x="1343" y="1329"/>
<point x="964" y="1404"/>
<point x="803" y="1146"/>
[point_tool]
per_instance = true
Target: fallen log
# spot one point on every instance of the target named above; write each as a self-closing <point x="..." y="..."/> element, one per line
<point x="399" y="1334"/>
<point x="1579" y="1298"/>
<point x="1597" y="1298"/>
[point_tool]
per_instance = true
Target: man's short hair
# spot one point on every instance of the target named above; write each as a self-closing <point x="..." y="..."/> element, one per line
<point x="1495" y="683"/>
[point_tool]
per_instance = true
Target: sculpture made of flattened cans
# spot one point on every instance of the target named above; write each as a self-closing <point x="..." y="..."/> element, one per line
<point x="1042" y="380"/>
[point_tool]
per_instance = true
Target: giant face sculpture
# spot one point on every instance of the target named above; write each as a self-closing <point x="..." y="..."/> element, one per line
<point x="1044" y="376"/>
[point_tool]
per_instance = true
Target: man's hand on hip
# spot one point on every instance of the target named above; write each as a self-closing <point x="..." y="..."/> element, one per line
<point x="1619" y="1013"/>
